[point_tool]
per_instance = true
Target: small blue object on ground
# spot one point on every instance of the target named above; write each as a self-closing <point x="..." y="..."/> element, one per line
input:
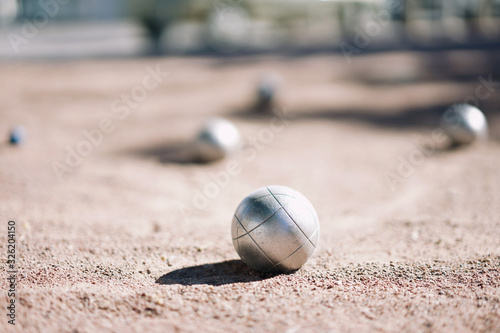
<point x="17" y="135"/>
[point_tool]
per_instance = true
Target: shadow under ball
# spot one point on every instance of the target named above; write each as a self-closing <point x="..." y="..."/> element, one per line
<point x="275" y="229"/>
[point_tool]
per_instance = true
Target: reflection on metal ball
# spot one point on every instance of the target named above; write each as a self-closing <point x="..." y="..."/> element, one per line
<point x="464" y="124"/>
<point x="217" y="139"/>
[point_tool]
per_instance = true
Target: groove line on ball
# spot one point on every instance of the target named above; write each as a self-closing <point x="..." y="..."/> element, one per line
<point x="251" y="203"/>
<point x="302" y="203"/>
<point x="264" y="253"/>
<point x="302" y="231"/>
<point x="314" y="233"/>
<point x="261" y="223"/>
<point x="291" y="254"/>
<point x="308" y="209"/>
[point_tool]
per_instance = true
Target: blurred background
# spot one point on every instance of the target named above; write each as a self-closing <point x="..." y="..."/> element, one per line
<point x="99" y="100"/>
<point x="77" y="28"/>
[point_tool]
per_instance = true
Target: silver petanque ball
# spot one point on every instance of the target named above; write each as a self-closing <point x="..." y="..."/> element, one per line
<point x="275" y="229"/>
<point x="464" y="124"/>
<point x="217" y="139"/>
<point x="268" y="87"/>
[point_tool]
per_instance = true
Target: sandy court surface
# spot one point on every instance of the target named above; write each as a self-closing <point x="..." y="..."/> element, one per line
<point x="121" y="241"/>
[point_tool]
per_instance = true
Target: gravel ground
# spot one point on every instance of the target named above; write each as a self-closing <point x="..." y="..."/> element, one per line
<point x="115" y="242"/>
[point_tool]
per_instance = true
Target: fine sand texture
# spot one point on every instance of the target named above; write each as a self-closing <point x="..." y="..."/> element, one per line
<point x="118" y="229"/>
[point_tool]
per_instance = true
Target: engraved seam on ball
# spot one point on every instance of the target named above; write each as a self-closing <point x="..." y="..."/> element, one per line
<point x="270" y="216"/>
<point x="251" y="203"/>
<point x="300" y="202"/>
<point x="314" y="234"/>
<point x="309" y="209"/>
<point x="253" y="240"/>
<point x="308" y="205"/>
<point x="261" y="223"/>
<point x="292" y="196"/>
<point x="298" y="249"/>
<point x="237" y="239"/>
<point x="313" y="213"/>
<point x="302" y="231"/>
<point x="290" y="255"/>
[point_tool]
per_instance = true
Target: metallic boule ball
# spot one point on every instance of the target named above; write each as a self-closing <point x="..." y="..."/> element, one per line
<point x="217" y="139"/>
<point x="464" y="124"/>
<point x="267" y="89"/>
<point x="275" y="229"/>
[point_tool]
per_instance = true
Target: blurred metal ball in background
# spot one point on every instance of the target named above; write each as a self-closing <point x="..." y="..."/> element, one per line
<point x="464" y="124"/>
<point x="275" y="229"/>
<point x="267" y="89"/>
<point x="217" y="139"/>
